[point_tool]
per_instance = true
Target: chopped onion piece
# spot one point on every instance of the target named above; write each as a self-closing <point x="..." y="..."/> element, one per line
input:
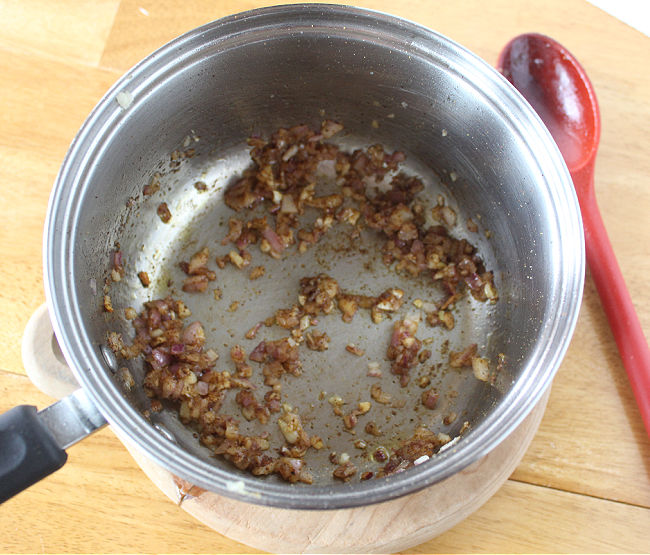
<point x="481" y="368"/>
<point x="202" y="388"/>
<point x="288" y="205"/>
<point x="124" y="99"/>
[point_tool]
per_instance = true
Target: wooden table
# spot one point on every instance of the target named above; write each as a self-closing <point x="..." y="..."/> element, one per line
<point x="584" y="484"/>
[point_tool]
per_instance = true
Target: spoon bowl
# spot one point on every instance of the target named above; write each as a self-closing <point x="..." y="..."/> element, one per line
<point x="557" y="87"/>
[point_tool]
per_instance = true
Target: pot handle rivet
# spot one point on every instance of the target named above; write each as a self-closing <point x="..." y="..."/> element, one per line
<point x="109" y="357"/>
<point x="164" y="432"/>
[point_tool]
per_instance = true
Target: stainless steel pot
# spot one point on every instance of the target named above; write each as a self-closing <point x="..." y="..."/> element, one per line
<point x="466" y="131"/>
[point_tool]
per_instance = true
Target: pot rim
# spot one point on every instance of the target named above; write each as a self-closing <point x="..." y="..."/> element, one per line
<point x="85" y="358"/>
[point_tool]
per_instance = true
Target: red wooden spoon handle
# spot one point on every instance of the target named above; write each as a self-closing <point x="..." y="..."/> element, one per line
<point x="614" y="296"/>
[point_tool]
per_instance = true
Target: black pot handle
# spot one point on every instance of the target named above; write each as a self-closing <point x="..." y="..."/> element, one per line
<point x="32" y="444"/>
<point x="28" y="451"/>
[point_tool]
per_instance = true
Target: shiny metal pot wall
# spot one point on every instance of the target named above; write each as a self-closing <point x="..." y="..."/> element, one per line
<point x="464" y="128"/>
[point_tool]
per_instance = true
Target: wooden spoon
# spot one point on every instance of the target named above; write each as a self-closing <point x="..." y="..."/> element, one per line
<point x="558" y="88"/>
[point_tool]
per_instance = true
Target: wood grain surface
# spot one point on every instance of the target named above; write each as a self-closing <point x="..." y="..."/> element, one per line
<point x="584" y="484"/>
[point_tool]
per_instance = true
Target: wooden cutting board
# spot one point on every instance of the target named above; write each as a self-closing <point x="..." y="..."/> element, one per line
<point x="584" y="483"/>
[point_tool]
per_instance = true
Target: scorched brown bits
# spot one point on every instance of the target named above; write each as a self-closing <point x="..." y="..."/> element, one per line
<point x="164" y="213"/>
<point x="404" y="347"/>
<point x="281" y="183"/>
<point x="345" y="471"/>
<point x="429" y="398"/>
<point x="144" y="279"/>
<point x="282" y="177"/>
<point x="424" y="443"/>
<point x="181" y="372"/>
